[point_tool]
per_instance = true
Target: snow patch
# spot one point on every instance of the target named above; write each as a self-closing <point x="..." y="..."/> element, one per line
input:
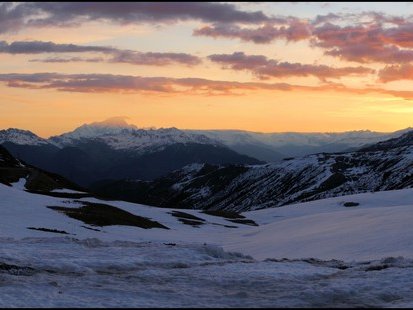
<point x="66" y="190"/>
<point x="20" y="184"/>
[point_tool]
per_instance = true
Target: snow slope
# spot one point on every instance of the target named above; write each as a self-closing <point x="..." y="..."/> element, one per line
<point x="379" y="226"/>
<point x="211" y="265"/>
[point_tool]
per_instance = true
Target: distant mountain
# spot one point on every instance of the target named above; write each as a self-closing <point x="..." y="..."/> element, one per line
<point x="273" y="147"/>
<point x="119" y="135"/>
<point x="406" y="140"/>
<point x="27" y="146"/>
<point x="115" y="150"/>
<point x="385" y="166"/>
<point x="21" y="137"/>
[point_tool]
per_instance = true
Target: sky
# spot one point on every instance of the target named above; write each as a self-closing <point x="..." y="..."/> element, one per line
<point x="264" y="67"/>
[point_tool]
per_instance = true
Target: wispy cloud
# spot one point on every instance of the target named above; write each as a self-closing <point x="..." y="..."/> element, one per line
<point x="293" y="30"/>
<point x="68" y="59"/>
<point x="265" y="68"/>
<point x="39" y="47"/>
<point x="102" y="83"/>
<point x="116" y="55"/>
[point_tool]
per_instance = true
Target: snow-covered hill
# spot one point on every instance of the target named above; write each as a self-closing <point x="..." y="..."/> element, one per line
<point x="355" y="227"/>
<point x="243" y="188"/>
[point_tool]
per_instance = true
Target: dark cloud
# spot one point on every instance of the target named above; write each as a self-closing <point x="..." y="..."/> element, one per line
<point x="372" y="31"/>
<point x="68" y="59"/>
<point x="12" y="16"/>
<point x="360" y="37"/>
<point x="152" y="58"/>
<point x="320" y="19"/>
<point x="16" y="16"/>
<point x="102" y="83"/>
<point x="38" y="47"/>
<point x="296" y="30"/>
<point x="364" y="37"/>
<point x="264" y="68"/>
<point x="116" y="55"/>
<point x="401" y="36"/>
<point x="137" y="12"/>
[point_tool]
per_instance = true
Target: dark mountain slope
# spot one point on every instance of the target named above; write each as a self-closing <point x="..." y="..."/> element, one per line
<point x="12" y="170"/>
<point x="244" y="188"/>
<point x="144" y="155"/>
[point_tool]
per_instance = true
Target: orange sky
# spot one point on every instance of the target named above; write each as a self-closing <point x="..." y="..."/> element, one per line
<point x="230" y="95"/>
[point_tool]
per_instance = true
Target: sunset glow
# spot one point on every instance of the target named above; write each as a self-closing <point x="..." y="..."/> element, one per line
<point x="265" y="67"/>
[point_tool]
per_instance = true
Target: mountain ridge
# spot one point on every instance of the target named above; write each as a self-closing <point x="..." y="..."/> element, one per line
<point x="244" y="188"/>
<point x="93" y="152"/>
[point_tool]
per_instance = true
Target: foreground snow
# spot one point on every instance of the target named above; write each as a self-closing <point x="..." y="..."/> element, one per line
<point x="211" y="265"/>
<point x="68" y="273"/>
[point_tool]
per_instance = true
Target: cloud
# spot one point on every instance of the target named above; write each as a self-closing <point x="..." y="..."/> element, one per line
<point x="28" y="14"/>
<point x="38" y="47"/>
<point x="396" y="72"/>
<point x="12" y="16"/>
<point x="122" y="83"/>
<point x="116" y="55"/>
<point x="296" y="30"/>
<point x="264" y="68"/>
<point x="153" y="58"/>
<point x="363" y="44"/>
<point x="68" y="59"/>
<point x="364" y="37"/>
<point x="103" y="83"/>
<point x="319" y="19"/>
<point x="371" y="37"/>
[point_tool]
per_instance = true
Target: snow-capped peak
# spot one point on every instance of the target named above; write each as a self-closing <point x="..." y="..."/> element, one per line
<point x="114" y="122"/>
<point x="19" y="136"/>
<point x="114" y="125"/>
<point x="118" y="134"/>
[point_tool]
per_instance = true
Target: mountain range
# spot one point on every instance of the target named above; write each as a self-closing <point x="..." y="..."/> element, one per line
<point x="273" y="147"/>
<point x="116" y="150"/>
<point x="387" y="165"/>
<point x="113" y="150"/>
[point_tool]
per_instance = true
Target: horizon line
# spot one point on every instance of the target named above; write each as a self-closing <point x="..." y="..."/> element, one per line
<point x="217" y="129"/>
